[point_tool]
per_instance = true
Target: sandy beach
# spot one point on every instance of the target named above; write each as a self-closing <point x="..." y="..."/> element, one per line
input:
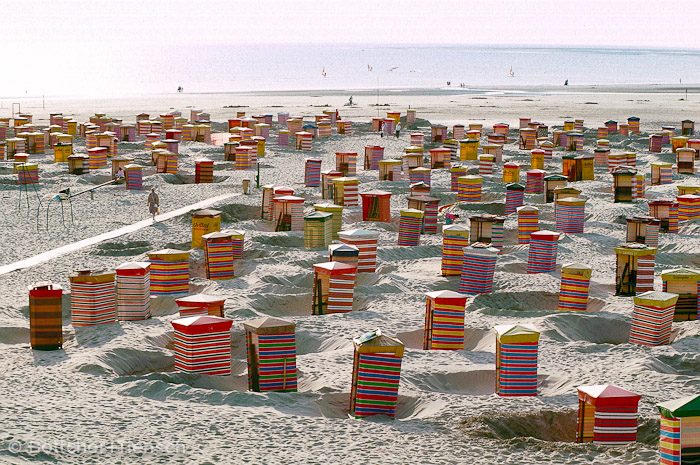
<point x="117" y="382"/>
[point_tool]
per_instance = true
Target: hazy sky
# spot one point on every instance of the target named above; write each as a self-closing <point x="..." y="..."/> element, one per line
<point x="62" y="25"/>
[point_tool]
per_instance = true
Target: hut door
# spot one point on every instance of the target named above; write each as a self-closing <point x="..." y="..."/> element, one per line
<point x="368" y="161"/>
<point x="320" y="303"/>
<point x="586" y="420"/>
<point x="626" y="278"/>
<point x="284" y="220"/>
<point x="253" y="369"/>
<point x="373" y="211"/>
<point x="578" y="170"/>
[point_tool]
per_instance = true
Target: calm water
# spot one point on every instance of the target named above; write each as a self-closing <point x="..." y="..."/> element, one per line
<point x="162" y="68"/>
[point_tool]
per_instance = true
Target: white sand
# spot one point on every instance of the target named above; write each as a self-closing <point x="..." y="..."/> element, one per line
<point x="117" y="382"/>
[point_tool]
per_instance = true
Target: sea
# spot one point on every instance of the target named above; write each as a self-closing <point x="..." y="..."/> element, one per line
<point x="162" y="68"/>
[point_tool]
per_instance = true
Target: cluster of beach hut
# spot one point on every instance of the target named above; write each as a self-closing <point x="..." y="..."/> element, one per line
<point x="607" y="414"/>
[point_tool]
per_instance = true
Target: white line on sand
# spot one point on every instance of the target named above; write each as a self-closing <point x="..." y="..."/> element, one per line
<point x="72" y="247"/>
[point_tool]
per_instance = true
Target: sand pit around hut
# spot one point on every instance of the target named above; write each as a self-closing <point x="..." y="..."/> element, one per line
<point x="117" y="382"/>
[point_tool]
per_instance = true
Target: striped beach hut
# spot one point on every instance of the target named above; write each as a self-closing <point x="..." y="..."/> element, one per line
<point x="486" y="163"/>
<point x="458" y="131"/>
<point x="535" y="181"/>
<point x="624" y="184"/>
<point x="583" y="168"/>
<point x="516" y="359"/>
<point x="204" y="222"/>
<point x="203" y="170"/>
<point x="444" y="320"/>
<point x="419" y="174"/>
<point x="373" y="155"/>
<point x="389" y="127"/>
<point x="419" y="188"/>
<point x="390" y="170"/>
<point x="634" y="269"/>
<point x="487" y="229"/>
<point x="542" y="255"/>
<point x="344" y="253"/>
<point x="410" y="225"/>
<point x="661" y="173"/>
<point x="333" y="288"/>
<point x="438" y="133"/>
<point x="640" y="184"/>
<point x="218" y="254"/>
<point x="303" y="141"/>
<point x="133" y="291"/>
<point x="469" y="188"/>
<point x="312" y="172"/>
<point x="633" y="124"/>
<point x="417" y="139"/>
<point x="600" y="156"/>
<point x="410" y="116"/>
<point x="456" y="171"/>
<point x="344" y="127"/>
<point x="515" y="195"/>
<point x="288" y="213"/>
<point x="170" y="271"/>
<point x="412" y="160"/>
<point x="527" y="139"/>
<point x="317" y="229"/>
<point x="643" y="230"/>
<point x="688" y="207"/>
<point x="679" y="441"/>
<point x="440" y="157"/>
<point x="666" y="211"/>
<point x="455" y="237"/>
<point x="453" y="146"/>
<point x="98" y="157"/>
<point x="570" y="215"/>
<point x="607" y="415"/>
<point x="45" y="316"/>
<point x="655" y="142"/>
<point x="687" y="127"/>
<point x="575" y="283"/>
<point x="271" y="353"/>
<point x="501" y="128"/>
<point x="528" y="218"/>
<point x="478" y="267"/>
<point x="684" y="282"/>
<point x="611" y="125"/>
<point x="337" y="211"/>
<point x="327" y="177"/>
<point x="366" y="241"/>
<point x="133" y="174"/>
<point x="201" y="304"/>
<point x="376" y="374"/>
<point x="203" y="345"/>
<point x="429" y="206"/>
<point x="511" y="172"/>
<point x="345" y="191"/>
<point x="551" y="183"/>
<point x="652" y="318"/>
<point x="93" y="298"/>
<point x="685" y="160"/>
<point x="244" y="157"/>
<point x="376" y="206"/>
<point x="346" y="163"/>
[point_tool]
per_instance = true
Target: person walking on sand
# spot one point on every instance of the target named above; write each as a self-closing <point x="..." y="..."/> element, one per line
<point x="398" y="129"/>
<point x="153" y="203"/>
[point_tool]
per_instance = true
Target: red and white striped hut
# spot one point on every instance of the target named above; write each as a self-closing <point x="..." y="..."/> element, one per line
<point x="219" y="254"/>
<point x="201" y="304"/>
<point x="535" y="181"/>
<point x="288" y="213"/>
<point x="271" y="354"/>
<point x="92" y="298"/>
<point x="345" y="191"/>
<point x="444" y="320"/>
<point x="528" y="223"/>
<point x="333" y="288"/>
<point x="282" y="118"/>
<point x="548" y="147"/>
<point x="331" y="115"/>
<point x="515" y="195"/>
<point x="486" y="163"/>
<point x="542" y="256"/>
<point x="327" y="177"/>
<point x="203" y="345"/>
<point x="607" y="415"/>
<point x="458" y="131"/>
<point x="133" y="291"/>
<point x="438" y="133"/>
<point x="388" y="126"/>
<point x="575" y="282"/>
<point x="376" y="373"/>
<point x="417" y="139"/>
<point x="429" y="206"/>
<point x="174" y="134"/>
<point x="524" y="122"/>
<point x="366" y="241"/>
<point x="456" y="171"/>
<point x="455" y="237"/>
<point x="652" y="318"/>
<point x="303" y="141"/>
<point x="666" y="211"/>
<point x="346" y="163"/>
<point x="634" y="269"/>
<point x="373" y="155"/>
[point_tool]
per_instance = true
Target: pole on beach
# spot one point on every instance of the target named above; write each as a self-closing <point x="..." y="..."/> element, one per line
<point x="257" y="177"/>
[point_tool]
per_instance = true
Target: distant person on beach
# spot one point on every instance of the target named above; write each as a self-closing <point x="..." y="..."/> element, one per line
<point x="153" y="203"/>
<point x="398" y="129"/>
<point x="350" y="100"/>
<point x="566" y="83"/>
<point x="119" y="174"/>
